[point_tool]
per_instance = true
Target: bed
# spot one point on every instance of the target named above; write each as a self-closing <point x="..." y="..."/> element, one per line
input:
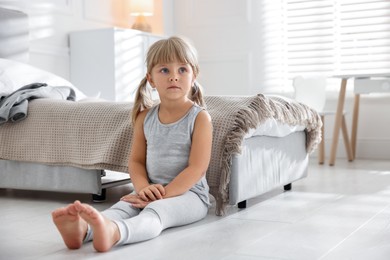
<point x="259" y="142"/>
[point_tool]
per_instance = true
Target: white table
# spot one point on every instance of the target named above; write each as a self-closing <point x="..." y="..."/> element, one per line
<point x="364" y="84"/>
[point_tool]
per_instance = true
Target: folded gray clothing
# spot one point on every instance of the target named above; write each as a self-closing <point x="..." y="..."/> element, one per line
<point x="3" y="95"/>
<point x="19" y="112"/>
<point x="14" y="105"/>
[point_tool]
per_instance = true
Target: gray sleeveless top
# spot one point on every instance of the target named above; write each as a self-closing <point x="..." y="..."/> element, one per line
<point x="168" y="149"/>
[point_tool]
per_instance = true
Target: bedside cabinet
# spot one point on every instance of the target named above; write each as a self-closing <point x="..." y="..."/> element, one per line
<point x="109" y="63"/>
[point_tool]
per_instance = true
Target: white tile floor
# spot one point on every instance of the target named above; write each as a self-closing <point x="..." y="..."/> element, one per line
<point x="339" y="212"/>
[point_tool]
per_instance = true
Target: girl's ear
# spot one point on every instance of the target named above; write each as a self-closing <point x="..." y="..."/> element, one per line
<point x="150" y="80"/>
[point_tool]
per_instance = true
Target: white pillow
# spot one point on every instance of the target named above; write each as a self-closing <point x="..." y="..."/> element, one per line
<point x="14" y="75"/>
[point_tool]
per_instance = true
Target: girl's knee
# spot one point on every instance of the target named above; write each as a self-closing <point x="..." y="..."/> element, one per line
<point x="179" y="211"/>
<point x="153" y="220"/>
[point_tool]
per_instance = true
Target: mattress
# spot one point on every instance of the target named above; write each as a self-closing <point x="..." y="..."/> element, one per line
<point x="274" y="128"/>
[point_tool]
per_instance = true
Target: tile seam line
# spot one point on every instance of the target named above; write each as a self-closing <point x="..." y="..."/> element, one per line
<point x="353" y="232"/>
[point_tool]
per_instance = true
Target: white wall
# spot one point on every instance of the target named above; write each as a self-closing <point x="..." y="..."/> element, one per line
<point x="228" y="37"/>
<point x="223" y="32"/>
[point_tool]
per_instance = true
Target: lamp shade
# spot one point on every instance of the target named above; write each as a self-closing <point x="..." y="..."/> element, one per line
<point x="141" y="7"/>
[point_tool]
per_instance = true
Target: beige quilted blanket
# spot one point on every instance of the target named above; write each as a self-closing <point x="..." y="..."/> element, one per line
<point x="97" y="135"/>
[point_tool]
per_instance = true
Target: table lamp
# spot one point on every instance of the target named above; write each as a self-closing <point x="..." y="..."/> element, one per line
<point x="140" y="9"/>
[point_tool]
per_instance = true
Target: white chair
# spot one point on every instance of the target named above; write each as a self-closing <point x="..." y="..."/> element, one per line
<point x="312" y="92"/>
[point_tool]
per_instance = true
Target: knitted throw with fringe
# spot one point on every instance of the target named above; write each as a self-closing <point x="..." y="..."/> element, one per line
<point x="97" y="135"/>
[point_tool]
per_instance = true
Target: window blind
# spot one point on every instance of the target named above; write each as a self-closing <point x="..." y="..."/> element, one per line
<point x="325" y="37"/>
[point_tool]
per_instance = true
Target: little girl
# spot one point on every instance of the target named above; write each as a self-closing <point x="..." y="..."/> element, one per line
<point x="169" y="157"/>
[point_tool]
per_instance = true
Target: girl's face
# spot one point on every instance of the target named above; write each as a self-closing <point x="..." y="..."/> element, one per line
<point x="172" y="80"/>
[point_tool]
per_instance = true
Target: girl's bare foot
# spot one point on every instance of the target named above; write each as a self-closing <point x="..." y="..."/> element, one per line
<point x="105" y="232"/>
<point x="71" y="227"/>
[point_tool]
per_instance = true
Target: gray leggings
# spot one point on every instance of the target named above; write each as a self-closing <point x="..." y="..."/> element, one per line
<point x="137" y="225"/>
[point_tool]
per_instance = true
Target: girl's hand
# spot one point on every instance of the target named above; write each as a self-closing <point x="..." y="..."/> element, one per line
<point x="135" y="201"/>
<point x="152" y="192"/>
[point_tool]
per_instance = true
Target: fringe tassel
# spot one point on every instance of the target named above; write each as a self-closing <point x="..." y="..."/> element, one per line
<point x="244" y="120"/>
<point x="259" y="110"/>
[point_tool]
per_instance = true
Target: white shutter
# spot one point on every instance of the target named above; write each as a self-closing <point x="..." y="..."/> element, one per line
<point x="275" y="63"/>
<point x="324" y="37"/>
<point x="364" y="36"/>
<point x="310" y="30"/>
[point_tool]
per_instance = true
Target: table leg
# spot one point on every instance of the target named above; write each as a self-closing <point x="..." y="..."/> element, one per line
<point x="355" y="118"/>
<point x="346" y="140"/>
<point x="338" y="121"/>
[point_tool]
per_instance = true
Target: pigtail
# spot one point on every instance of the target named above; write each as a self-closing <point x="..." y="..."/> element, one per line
<point x="143" y="99"/>
<point x="197" y="94"/>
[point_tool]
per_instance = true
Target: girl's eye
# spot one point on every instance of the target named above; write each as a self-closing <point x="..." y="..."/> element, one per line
<point x="182" y="69"/>
<point x="164" y="70"/>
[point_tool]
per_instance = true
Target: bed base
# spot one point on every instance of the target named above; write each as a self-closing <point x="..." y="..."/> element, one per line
<point x="279" y="162"/>
<point x="266" y="163"/>
<point x="35" y="176"/>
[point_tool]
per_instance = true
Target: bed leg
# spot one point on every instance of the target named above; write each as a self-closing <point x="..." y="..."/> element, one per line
<point x="242" y="204"/>
<point x="287" y="187"/>
<point x="99" y="197"/>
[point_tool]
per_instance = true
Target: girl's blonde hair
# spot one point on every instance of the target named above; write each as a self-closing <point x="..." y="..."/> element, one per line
<point x="166" y="51"/>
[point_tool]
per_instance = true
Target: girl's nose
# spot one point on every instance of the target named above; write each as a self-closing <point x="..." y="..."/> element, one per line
<point x="174" y="78"/>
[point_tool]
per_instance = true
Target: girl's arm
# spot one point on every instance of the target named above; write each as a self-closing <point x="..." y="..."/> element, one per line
<point x="199" y="157"/>
<point x="137" y="159"/>
<point x="137" y="164"/>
